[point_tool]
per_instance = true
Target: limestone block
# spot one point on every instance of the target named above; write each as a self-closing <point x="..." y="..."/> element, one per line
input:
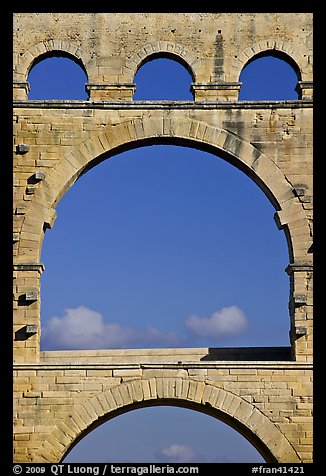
<point x="153" y="387"/>
<point x="221" y="396"/>
<point x="127" y="373"/>
<point x="136" y="390"/>
<point x="207" y="393"/>
<point x="196" y="390"/>
<point x="116" y="396"/>
<point x="153" y="127"/>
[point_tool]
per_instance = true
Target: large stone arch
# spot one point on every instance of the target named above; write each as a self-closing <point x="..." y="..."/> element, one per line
<point x="177" y="391"/>
<point x="136" y="132"/>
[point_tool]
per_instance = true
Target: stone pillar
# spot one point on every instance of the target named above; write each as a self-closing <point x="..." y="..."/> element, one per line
<point x="21" y="90"/>
<point x="220" y="91"/>
<point x="107" y="92"/>
<point x="26" y="312"/>
<point x="300" y="306"/>
<point x="305" y="89"/>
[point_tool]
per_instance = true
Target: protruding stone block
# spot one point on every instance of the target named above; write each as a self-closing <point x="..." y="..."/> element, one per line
<point x="300" y="331"/>
<point x="299" y="300"/>
<point x="39" y="176"/>
<point x="31" y="296"/>
<point x="22" y="148"/>
<point x="299" y="190"/>
<point x="20" y="210"/>
<point x="31" y="329"/>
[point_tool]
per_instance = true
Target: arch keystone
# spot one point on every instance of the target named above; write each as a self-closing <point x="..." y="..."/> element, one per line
<point x="153" y="127"/>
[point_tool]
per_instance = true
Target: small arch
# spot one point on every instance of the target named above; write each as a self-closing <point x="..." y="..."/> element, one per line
<point x="45" y="49"/>
<point x="174" y="78"/>
<point x="57" y="54"/>
<point x="277" y="78"/>
<point x="276" y="48"/>
<point x="278" y="54"/>
<point x="61" y="76"/>
<point x="169" y="56"/>
<point x="163" y="49"/>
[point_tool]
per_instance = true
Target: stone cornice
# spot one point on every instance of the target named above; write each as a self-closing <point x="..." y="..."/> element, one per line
<point x="29" y="267"/>
<point x="164" y="104"/>
<point x="278" y="365"/>
<point x="299" y="267"/>
<point x="176" y="358"/>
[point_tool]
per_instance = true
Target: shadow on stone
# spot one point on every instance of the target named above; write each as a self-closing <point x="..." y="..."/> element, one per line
<point x="248" y="353"/>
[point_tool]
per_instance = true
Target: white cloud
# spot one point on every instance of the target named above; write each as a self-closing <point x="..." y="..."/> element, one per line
<point x="225" y="322"/>
<point x="83" y="328"/>
<point x="177" y="453"/>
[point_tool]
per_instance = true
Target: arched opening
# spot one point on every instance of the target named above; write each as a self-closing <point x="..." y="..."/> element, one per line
<point x="163" y="434"/>
<point x="164" y="246"/>
<point x="269" y="76"/>
<point x="163" y="78"/>
<point x="57" y="76"/>
<point x="134" y="394"/>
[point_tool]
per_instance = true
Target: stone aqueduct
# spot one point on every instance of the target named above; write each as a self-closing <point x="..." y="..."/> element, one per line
<point x="266" y="394"/>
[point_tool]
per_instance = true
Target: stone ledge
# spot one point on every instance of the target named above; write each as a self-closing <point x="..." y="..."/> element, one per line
<point x="175" y="354"/>
<point x="29" y="267"/>
<point x="163" y="104"/>
<point x="158" y="359"/>
<point x="299" y="267"/>
<point x="222" y="85"/>
<point x="276" y="365"/>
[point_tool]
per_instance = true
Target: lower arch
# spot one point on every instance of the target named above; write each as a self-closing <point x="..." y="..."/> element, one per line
<point x="233" y="410"/>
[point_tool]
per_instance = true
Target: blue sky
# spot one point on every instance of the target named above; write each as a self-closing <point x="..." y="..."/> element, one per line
<point x="164" y="246"/>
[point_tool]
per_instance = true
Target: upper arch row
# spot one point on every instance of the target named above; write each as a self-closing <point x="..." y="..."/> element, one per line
<point x="113" y="82"/>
